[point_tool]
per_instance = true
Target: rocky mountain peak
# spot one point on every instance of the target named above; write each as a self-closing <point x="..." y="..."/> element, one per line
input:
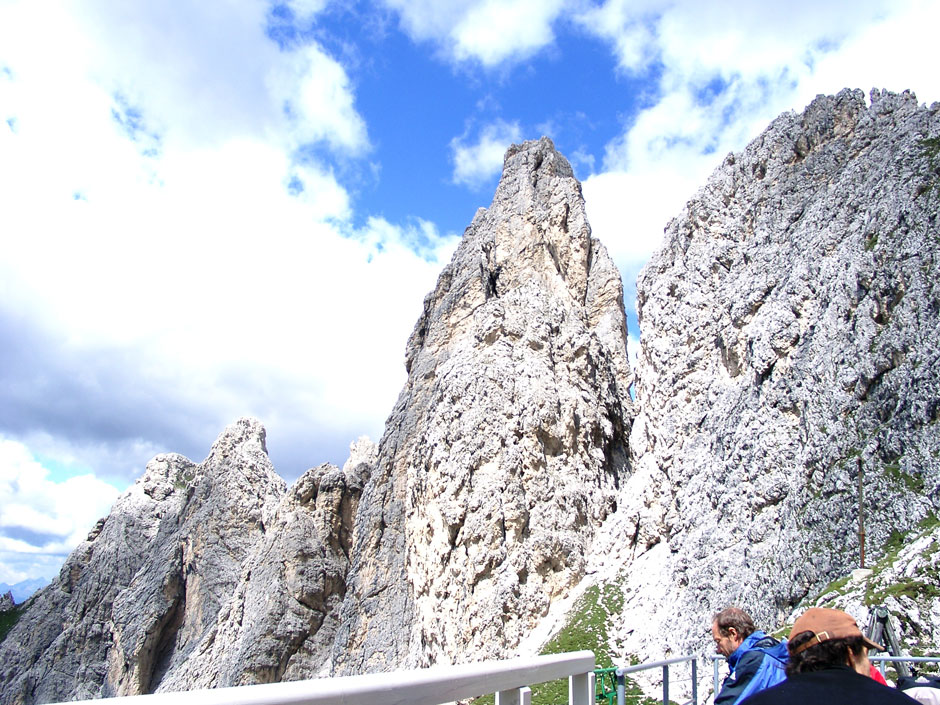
<point x="503" y="453"/>
<point x="133" y="601"/>
<point x="788" y="358"/>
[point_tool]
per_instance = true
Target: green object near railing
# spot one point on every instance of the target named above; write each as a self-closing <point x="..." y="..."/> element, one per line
<point x="605" y="685"/>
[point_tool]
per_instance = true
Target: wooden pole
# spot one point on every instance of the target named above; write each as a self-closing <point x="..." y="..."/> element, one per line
<point x="861" y="512"/>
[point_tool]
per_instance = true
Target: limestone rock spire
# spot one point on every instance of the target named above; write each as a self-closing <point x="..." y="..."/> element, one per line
<point x="505" y="448"/>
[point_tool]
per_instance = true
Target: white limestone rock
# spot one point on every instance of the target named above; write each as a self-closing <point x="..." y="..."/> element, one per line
<point x="281" y="620"/>
<point x="790" y="326"/>
<point x="906" y="581"/>
<point x="505" y="449"/>
<point x="138" y="595"/>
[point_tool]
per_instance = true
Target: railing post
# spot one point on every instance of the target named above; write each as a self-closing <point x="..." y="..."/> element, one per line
<point x="715" y="679"/>
<point x="695" y="681"/>
<point x="516" y="696"/>
<point x="579" y="691"/>
<point x="621" y="688"/>
<point x="666" y="684"/>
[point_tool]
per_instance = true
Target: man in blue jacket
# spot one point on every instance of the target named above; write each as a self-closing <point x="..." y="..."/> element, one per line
<point x="756" y="661"/>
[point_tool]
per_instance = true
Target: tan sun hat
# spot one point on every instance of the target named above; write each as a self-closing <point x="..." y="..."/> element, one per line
<point x="827" y="624"/>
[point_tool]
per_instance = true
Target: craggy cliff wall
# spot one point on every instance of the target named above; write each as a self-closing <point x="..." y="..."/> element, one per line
<point x="790" y="326"/>
<point x="202" y="575"/>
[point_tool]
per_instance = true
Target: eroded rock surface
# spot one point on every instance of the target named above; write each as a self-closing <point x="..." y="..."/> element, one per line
<point x="133" y="601"/>
<point x="506" y="446"/>
<point x="790" y="328"/>
<point x="281" y="620"/>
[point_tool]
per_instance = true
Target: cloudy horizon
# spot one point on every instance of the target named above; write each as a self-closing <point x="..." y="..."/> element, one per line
<point x="216" y="210"/>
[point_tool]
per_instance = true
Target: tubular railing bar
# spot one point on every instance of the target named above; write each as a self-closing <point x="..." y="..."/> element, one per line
<point x="621" y="672"/>
<point x="883" y="659"/>
<point x="429" y="686"/>
<point x="909" y="659"/>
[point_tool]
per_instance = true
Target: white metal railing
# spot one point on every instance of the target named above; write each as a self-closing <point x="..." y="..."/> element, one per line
<point x="880" y="661"/>
<point x="509" y="680"/>
<point x="622" y="672"/>
<point x="900" y="661"/>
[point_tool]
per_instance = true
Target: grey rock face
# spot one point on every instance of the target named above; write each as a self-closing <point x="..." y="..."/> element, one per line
<point x="281" y="619"/>
<point x="506" y="446"/>
<point x="6" y="602"/>
<point x="790" y="328"/>
<point x="132" y="602"/>
<point x="905" y="582"/>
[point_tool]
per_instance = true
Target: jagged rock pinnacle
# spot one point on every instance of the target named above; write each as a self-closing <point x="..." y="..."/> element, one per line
<point x="504" y="450"/>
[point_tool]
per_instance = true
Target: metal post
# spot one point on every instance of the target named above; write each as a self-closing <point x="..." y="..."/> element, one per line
<point x="510" y="697"/>
<point x="666" y="685"/>
<point x="695" y="681"/>
<point x="621" y="688"/>
<point x="715" y="679"/>
<point x="579" y="692"/>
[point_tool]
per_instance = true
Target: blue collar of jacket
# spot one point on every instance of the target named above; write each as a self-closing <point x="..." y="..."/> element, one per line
<point x="745" y="646"/>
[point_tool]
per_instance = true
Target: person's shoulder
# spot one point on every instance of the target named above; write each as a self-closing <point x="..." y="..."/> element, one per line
<point x="775" y="694"/>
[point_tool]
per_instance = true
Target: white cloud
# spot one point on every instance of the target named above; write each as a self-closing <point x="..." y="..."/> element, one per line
<point x="307" y="9"/>
<point x="496" y="30"/>
<point x="40" y="517"/>
<point x="491" y="32"/>
<point x="319" y="100"/>
<point x="726" y="71"/>
<point x="221" y="272"/>
<point x="476" y="163"/>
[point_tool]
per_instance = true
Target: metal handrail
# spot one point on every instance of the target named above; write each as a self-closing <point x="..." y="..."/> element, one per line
<point x="429" y="686"/>
<point x="875" y="659"/>
<point x="623" y="671"/>
<point x="903" y="659"/>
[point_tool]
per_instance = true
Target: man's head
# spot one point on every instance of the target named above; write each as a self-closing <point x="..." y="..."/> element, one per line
<point x="730" y="627"/>
<point x="823" y="638"/>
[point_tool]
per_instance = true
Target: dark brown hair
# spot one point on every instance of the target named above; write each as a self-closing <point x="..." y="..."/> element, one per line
<point x="826" y="654"/>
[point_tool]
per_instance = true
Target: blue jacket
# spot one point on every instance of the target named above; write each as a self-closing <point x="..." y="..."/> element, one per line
<point x="758" y="663"/>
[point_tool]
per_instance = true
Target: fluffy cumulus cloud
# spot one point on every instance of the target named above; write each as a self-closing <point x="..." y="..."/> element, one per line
<point x="178" y="249"/>
<point x="477" y="161"/>
<point x="725" y="70"/>
<point x="490" y="32"/>
<point x="42" y="520"/>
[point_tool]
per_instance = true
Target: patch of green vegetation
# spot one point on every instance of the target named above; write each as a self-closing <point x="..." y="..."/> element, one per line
<point x="929" y="522"/>
<point x="835" y="588"/>
<point x="870" y="242"/>
<point x="898" y="477"/>
<point x="586" y="628"/>
<point x="914" y="589"/>
<point x="184" y="479"/>
<point x="9" y="619"/>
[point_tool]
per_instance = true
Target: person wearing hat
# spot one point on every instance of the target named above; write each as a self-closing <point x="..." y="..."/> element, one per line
<point x="829" y="663"/>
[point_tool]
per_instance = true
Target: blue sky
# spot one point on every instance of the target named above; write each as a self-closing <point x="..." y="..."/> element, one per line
<point x="217" y="209"/>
